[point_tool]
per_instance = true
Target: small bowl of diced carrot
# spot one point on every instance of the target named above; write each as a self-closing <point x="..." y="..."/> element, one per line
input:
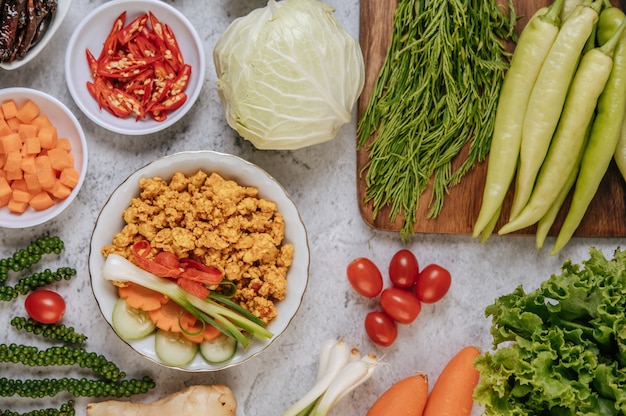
<point x="43" y="157"/>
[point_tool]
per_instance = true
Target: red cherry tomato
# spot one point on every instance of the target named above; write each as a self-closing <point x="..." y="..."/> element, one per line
<point x="365" y="277"/>
<point x="403" y="269"/>
<point x="400" y="304"/>
<point x="45" y="306"/>
<point x="432" y="283"/>
<point x="381" y="328"/>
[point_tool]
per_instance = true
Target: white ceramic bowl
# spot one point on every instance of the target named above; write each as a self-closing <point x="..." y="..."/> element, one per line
<point x="67" y="126"/>
<point x="90" y="34"/>
<point x="110" y="222"/>
<point x="63" y="6"/>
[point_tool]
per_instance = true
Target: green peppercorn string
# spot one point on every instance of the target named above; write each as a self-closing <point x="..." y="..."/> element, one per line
<point x="58" y="332"/>
<point x="66" y="409"/>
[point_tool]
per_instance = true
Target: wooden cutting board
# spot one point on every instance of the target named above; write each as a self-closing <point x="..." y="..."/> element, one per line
<point x="605" y="217"/>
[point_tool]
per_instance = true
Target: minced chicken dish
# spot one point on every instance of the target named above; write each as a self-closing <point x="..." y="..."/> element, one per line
<point x="218" y="223"/>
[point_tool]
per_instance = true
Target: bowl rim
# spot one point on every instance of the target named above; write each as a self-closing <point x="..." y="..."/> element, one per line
<point x="63" y="7"/>
<point x="61" y="206"/>
<point x="135" y="176"/>
<point x="198" y="70"/>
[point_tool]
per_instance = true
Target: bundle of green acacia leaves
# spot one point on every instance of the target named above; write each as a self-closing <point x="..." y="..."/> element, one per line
<point x="436" y="92"/>
<point x="561" y="349"/>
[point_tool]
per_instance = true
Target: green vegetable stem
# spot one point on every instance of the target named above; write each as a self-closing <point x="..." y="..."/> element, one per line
<point x="605" y="133"/>
<point x="569" y="138"/>
<point x="436" y="93"/>
<point x="547" y="98"/>
<point x="530" y="52"/>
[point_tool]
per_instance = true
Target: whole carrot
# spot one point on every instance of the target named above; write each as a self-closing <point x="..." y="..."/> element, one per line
<point x="531" y="50"/>
<point x="452" y="394"/>
<point x="605" y="134"/>
<point x="569" y="138"/>
<point x="548" y="97"/>
<point x="406" y="397"/>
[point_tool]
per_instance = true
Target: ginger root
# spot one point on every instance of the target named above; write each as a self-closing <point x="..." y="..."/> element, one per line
<point x="214" y="400"/>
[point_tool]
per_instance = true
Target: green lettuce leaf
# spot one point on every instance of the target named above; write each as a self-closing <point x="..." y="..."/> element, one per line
<point x="561" y="349"/>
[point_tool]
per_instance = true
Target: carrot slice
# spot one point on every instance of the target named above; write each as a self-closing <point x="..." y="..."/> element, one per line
<point x="453" y="391"/>
<point x="139" y="297"/>
<point x="167" y="317"/>
<point x="406" y="397"/>
<point x="193" y="329"/>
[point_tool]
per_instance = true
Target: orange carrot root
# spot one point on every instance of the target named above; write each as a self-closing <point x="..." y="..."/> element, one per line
<point x="452" y="394"/>
<point x="406" y="397"/>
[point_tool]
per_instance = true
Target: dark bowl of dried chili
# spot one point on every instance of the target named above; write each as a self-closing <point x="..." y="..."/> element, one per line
<point x="135" y="67"/>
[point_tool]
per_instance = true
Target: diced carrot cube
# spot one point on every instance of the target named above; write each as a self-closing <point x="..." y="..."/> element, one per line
<point x="27" y="130"/>
<point x="4" y="127"/>
<point x="45" y="173"/>
<point x="10" y="143"/>
<point x="48" y="137"/>
<point x="4" y="200"/>
<point x="28" y="164"/>
<point x="59" y="159"/>
<point x="64" y="143"/>
<point x="17" y="207"/>
<point x="5" y="188"/>
<point x="32" y="183"/>
<point x="20" y="195"/>
<point x="14" y="175"/>
<point x="41" y="201"/>
<point x="32" y="146"/>
<point x="14" y="124"/>
<point x="69" y="177"/>
<point x="41" y="121"/>
<point x="27" y="112"/>
<point x="19" y="184"/>
<point x="13" y="161"/>
<point x="60" y="191"/>
<point x="9" y="109"/>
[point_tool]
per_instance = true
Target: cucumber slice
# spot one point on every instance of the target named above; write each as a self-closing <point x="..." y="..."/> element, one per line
<point x="131" y="323"/>
<point x="173" y="348"/>
<point x="219" y="349"/>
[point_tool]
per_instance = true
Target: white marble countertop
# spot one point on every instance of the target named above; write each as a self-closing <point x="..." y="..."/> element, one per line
<point x="322" y="181"/>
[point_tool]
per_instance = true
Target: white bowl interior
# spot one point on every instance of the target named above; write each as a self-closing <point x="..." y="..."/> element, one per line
<point x="110" y="222"/>
<point x="63" y="6"/>
<point x="67" y="126"/>
<point x="91" y="33"/>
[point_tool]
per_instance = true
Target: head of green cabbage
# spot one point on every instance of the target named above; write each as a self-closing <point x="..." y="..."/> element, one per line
<point x="288" y="74"/>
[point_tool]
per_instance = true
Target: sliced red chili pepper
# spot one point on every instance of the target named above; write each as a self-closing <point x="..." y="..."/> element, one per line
<point x="181" y="81"/>
<point x="171" y="103"/>
<point x="92" y="62"/>
<point x="110" y="43"/>
<point x="141" y="250"/>
<point x="167" y="42"/>
<point x="125" y="67"/>
<point x="200" y="272"/>
<point x="136" y="26"/>
<point x="194" y="288"/>
<point x="145" y="46"/>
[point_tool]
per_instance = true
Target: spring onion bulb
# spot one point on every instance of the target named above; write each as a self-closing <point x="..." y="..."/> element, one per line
<point x="341" y="369"/>
<point x="230" y="322"/>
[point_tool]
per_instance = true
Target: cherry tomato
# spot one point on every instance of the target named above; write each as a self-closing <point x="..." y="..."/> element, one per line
<point x="45" y="306"/>
<point x="365" y="277"/>
<point x="403" y="269"/>
<point x="400" y="304"/>
<point x="432" y="283"/>
<point x="381" y="328"/>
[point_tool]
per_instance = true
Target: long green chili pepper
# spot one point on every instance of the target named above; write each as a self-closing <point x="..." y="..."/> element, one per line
<point x="547" y="221"/>
<point x="531" y="50"/>
<point x="548" y="97"/>
<point x="589" y="82"/>
<point x="436" y="92"/>
<point x="605" y="134"/>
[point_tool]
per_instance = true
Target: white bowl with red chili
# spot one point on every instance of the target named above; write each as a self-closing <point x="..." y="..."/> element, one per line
<point x="135" y="67"/>
<point x="191" y="215"/>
